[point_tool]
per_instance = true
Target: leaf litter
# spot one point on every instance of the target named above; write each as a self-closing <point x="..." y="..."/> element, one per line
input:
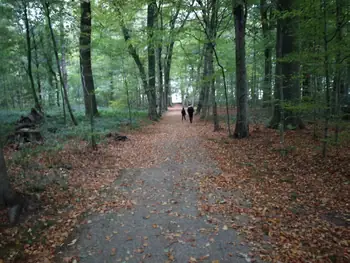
<point x="287" y="203"/>
<point x="297" y="205"/>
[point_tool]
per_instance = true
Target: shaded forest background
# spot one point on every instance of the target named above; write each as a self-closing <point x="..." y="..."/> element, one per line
<point x="275" y="73"/>
<point x="287" y="58"/>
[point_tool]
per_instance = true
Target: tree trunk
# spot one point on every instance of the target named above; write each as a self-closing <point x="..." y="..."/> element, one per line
<point x="8" y="197"/>
<point x="29" y="58"/>
<point x="51" y="74"/>
<point x="205" y="81"/>
<point x="214" y="107"/>
<point x="63" y="50"/>
<point x="152" y="98"/>
<point x="160" y="82"/>
<point x="160" y="66"/>
<point x="267" y="54"/>
<point x="46" y="6"/>
<point x="306" y="92"/>
<point x="213" y="36"/>
<point x="339" y="83"/>
<point x="37" y="67"/>
<point x="198" y="80"/>
<point x="52" y="78"/>
<point x="167" y="67"/>
<point x="286" y="71"/>
<point x="242" y="125"/>
<point x="85" y="58"/>
<point x="326" y="73"/>
<point x="233" y="83"/>
<point x="152" y="112"/>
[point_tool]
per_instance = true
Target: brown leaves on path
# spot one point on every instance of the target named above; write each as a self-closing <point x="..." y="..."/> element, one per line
<point x="298" y="203"/>
<point x="89" y="178"/>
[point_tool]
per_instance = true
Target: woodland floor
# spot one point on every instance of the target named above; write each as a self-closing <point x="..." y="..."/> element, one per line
<point x="178" y="192"/>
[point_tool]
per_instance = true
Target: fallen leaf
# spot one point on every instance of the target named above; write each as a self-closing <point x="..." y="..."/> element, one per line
<point x="204" y="257"/>
<point x="113" y="251"/>
<point x="139" y="250"/>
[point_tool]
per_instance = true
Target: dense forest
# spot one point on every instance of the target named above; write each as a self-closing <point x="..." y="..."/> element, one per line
<point x="289" y="55"/>
<point x="83" y="69"/>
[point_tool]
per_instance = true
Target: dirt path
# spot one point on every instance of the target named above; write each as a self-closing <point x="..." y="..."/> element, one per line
<point x="164" y="224"/>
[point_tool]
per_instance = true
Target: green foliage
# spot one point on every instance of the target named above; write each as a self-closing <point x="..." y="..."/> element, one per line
<point x="118" y="104"/>
<point x="109" y="120"/>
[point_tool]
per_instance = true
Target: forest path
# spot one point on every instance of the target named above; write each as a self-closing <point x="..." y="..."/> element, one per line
<point x="164" y="224"/>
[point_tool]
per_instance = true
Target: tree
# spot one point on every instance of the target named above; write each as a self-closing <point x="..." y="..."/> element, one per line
<point x="287" y="87"/>
<point x="173" y="31"/>
<point x="210" y="25"/>
<point x="46" y="7"/>
<point x="152" y="99"/>
<point x="160" y="26"/>
<point x="85" y="59"/>
<point x="29" y="55"/>
<point x="240" y="18"/>
<point x="266" y="27"/>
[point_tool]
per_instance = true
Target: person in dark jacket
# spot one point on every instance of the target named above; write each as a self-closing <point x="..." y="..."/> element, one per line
<point x="183" y="113"/>
<point x="190" y="111"/>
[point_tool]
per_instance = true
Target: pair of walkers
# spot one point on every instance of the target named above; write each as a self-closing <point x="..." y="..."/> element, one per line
<point x="190" y="111"/>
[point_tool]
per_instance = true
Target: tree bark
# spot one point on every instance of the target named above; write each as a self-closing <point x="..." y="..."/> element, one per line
<point x="85" y="59"/>
<point x="46" y="7"/>
<point x="198" y="80"/>
<point x="29" y="57"/>
<point x="205" y="82"/>
<point x="240" y="18"/>
<point x="170" y="48"/>
<point x="339" y="82"/>
<point x="167" y="67"/>
<point x="286" y="82"/>
<point x="51" y="74"/>
<point x="209" y="23"/>
<point x="37" y="67"/>
<point x="63" y="50"/>
<point x="267" y="53"/>
<point x="152" y="98"/>
<point x="162" y="105"/>
<point x="132" y="51"/>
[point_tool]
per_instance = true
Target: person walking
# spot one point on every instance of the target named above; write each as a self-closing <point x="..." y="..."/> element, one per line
<point x="190" y="111"/>
<point x="183" y="113"/>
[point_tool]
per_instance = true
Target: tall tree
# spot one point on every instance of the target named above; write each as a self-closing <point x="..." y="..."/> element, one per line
<point x="46" y="6"/>
<point x="37" y="66"/>
<point x="162" y="105"/>
<point x="29" y="56"/>
<point x="240" y="18"/>
<point x="169" y="45"/>
<point x="85" y="59"/>
<point x="152" y="111"/>
<point x="266" y="27"/>
<point x="287" y="88"/>
<point x="210" y="25"/>
<point x="152" y="99"/>
<point x="63" y="48"/>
